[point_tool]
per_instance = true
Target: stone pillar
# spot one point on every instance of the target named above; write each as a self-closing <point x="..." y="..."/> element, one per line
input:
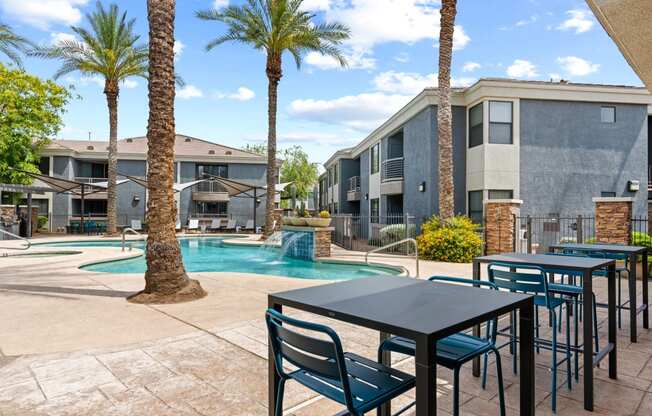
<point x="500" y="224"/>
<point x="323" y="242"/>
<point x="613" y="220"/>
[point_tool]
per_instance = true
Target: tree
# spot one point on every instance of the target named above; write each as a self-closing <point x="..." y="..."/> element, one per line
<point x="30" y="114"/>
<point x="276" y="27"/>
<point x="444" y="117"/>
<point x="109" y="49"/>
<point x="259" y="149"/>
<point x="166" y="280"/>
<point x="296" y="168"/>
<point x="12" y="45"/>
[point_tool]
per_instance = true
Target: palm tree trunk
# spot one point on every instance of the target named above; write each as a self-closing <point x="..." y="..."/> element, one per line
<point x="274" y="74"/>
<point x="166" y="280"/>
<point x="111" y="90"/>
<point x="444" y="115"/>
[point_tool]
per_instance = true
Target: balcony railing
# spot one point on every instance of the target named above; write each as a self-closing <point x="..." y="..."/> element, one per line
<point x="354" y="184"/>
<point x="209" y="186"/>
<point x="86" y="179"/>
<point x="392" y="170"/>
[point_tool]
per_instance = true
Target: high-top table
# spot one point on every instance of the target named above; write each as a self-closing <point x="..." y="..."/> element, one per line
<point x="419" y="310"/>
<point x="633" y="252"/>
<point x="586" y="266"/>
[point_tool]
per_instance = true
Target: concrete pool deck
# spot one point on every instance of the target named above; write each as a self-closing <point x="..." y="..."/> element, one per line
<point x="71" y="345"/>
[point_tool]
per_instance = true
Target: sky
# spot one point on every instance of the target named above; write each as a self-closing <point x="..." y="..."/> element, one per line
<point x="392" y="55"/>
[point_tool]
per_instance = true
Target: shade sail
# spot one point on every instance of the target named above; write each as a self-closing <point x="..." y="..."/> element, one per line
<point x="178" y="187"/>
<point x="64" y="186"/>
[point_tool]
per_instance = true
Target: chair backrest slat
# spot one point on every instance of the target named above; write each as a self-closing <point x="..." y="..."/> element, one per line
<point x="520" y="278"/>
<point x="324" y="367"/>
<point x="306" y="343"/>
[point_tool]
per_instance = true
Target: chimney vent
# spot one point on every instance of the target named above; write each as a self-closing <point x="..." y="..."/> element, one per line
<point x="211" y="152"/>
<point x="187" y="139"/>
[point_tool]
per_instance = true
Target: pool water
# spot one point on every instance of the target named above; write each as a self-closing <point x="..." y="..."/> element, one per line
<point x="211" y="255"/>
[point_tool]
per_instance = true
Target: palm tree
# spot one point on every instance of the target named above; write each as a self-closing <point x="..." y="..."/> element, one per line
<point x="166" y="280"/>
<point x="276" y="27"/>
<point x="108" y="50"/>
<point x="12" y="44"/>
<point x="444" y="117"/>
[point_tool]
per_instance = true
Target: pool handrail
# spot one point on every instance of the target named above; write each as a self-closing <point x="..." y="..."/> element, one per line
<point x="27" y="245"/>
<point x="125" y="231"/>
<point x="396" y="243"/>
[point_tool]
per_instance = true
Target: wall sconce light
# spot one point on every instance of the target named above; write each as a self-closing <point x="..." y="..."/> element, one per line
<point x="258" y="200"/>
<point x="366" y="197"/>
<point x="633" y="186"/>
<point x="136" y="199"/>
<point x="422" y="186"/>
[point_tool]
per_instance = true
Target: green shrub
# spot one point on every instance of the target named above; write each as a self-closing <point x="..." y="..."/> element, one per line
<point x="456" y="240"/>
<point x="641" y="239"/>
<point x="396" y="232"/>
<point x="42" y="221"/>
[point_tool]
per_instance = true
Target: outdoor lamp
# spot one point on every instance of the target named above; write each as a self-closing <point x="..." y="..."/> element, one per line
<point x="422" y="186"/>
<point x="366" y="196"/>
<point x="633" y="186"/>
<point x="136" y="198"/>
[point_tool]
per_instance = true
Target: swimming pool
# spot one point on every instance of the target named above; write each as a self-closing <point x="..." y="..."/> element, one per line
<point x="210" y="254"/>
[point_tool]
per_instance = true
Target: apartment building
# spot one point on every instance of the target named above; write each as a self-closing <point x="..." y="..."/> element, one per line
<point x="553" y="145"/>
<point x="86" y="161"/>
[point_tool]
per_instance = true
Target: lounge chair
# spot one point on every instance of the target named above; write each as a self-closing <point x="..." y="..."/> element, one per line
<point x="177" y="226"/>
<point x="193" y="224"/>
<point x="136" y="225"/>
<point x="249" y="226"/>
<point x="230" y="225"/>
<point x="216" y="224"/>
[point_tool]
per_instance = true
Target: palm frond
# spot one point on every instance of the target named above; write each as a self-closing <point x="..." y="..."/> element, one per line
<point x="12" y="44"/>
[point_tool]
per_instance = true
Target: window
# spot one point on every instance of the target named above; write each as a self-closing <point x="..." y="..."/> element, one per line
<point x="475" y="126"/>
<point x="44" y="165"/>
<point x="335" y="174"/>
<point x="375" y="158"/>
<point x="336" y="208"/>
<point x="475" y="207"/>
<point x="374" y="210"/>
<point x="213" y="208"/>
<point x="221" y="171"/>
<point x="330" y="177"/>
<point x="93" y="170"/>
<point x="608" y="114"/>
<point x="501" y="194"/>
<point x="607" y="194"/>
<point x="92" y="207"/>
<point x="500" y="122"/>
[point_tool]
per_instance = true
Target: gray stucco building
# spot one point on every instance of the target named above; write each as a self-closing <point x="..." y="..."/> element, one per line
<point x="86" y="161"/>
<point x="553" y="145"/>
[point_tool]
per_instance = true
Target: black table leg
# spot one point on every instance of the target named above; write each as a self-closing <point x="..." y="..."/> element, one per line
<point x="613" y="358"/>
<point x="272" y="376"/>
<point x="588" y="338"/>
<point x="633" y="309"/>
<point x="646" y="311"/>
<point x="526" y="349"/>
<point x="476" y="329"/>
<point x="385" y="359"/>
<point x="426" y="375"/>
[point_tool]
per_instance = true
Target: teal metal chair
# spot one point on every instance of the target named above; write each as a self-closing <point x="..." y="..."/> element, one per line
<point x="456" y="350"/>
<point x="532" y="280"/>
<point x="358" y="383"/>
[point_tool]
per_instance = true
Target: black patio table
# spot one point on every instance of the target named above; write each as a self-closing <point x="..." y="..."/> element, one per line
<point x="419" y="310"/>
<point x="586" y="266"/>
<point x="632" y="252"/>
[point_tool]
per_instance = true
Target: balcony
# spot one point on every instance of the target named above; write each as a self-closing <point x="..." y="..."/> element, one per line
<point x="353" y="192"/>
<point x="209" y="191"/>
<point x="391" y="176"/>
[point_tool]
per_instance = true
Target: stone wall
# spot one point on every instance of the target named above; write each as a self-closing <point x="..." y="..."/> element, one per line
<point x="323" y="242"/>
<point x="499" y="224"/>
<point x="613" y="220"/>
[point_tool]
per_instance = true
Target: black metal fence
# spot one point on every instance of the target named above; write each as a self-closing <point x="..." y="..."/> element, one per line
<point x="534" y="234"/>
<point x="640" y="225"/>
<point x="366" y="233"/>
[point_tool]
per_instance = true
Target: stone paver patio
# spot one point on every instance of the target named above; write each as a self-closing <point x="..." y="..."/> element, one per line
<point x="71" y="345"/>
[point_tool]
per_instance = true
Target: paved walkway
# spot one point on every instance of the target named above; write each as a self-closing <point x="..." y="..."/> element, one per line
<point x="71" y="345"/>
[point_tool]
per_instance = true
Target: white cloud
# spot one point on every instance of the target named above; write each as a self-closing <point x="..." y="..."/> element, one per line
<point x="521" y="68"/>
<point x="413" y="83"/>
<point x="241" y="94"/>
<point x="579" y="20"/>
<point x="353" y="60"/>
<point x="178" y="49"/>
<point x="402" y="57"/>
<point x="58" y="37"/>
<point x="573" y="65"/>
<point x="189" y="91"/>
<point x="218" y="4"/>
<point x="471" y="66"/>
<point x="43" y="13"/>
<point x="86" y="80"/>
<point x="374" y="22"/>
<point x="361" y="112"/>
<point x="129" y="83"/>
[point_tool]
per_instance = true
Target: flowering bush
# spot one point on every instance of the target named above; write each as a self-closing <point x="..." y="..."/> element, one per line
<point x="454" y="240"/>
